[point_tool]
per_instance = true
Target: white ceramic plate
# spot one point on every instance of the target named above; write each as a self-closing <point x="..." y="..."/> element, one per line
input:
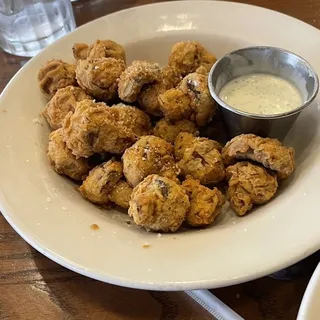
<point x="47" y="212"/>
<point x="310" y="305"/>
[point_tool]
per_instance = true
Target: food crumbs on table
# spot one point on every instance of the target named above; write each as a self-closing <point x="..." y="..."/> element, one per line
<point x="159" y="235"/>
<point x="128" y="222"/>
<point x="94" y="226"/>
<point x="4" y="110"/>
<point x="146" y="245"/>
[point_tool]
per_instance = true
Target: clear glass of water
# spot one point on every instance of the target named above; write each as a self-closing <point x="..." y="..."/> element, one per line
<point x="28" y="26"/>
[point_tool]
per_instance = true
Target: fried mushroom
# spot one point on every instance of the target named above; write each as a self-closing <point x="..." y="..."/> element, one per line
<point x="269" y="152"/>
<point x="148" y="97"/>
<point x="205" y="204"/>
<point x="199" y="158"/>
<point x="92" y="128"/>
<point x="168" y="130"/>
<point x="187" y="56"/>
<point x="132" y="118"/>
<point x="190" y="100"/>
<point x="99" y="77"/>
<point x="175" y="105"/>
<point x="80" y="51"/>
<point x="121" y="194"/>
<point x="61" y="104"/>
<point x="158" y="204"/>
<point x="63" y="161"/>
<point x="54" y="75"/>
<point x="138" y="74"/>
<point x="99" y="49"/>
<point x="249" y="184"/>
<point x="101" y="181"/>
<point x="203" y="107"/>
<point x="149" y="155"/>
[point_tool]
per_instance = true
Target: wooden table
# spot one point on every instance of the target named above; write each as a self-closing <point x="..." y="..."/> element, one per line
<point x="33" y="287"/>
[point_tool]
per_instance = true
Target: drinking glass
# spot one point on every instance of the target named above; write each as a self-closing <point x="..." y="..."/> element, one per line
<point x="28" y="26"/>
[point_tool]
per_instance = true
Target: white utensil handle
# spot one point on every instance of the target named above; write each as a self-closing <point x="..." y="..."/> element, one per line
<point x="213" y="305"/>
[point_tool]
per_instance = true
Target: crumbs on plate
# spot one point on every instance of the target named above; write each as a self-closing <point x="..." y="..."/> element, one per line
<point x="94" y="226"/>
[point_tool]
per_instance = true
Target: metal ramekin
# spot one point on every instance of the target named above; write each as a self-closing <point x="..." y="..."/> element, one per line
<point x="262" y="59"/>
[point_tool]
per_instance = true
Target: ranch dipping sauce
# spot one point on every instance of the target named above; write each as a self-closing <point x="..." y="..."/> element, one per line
<point x="261" y="93"/>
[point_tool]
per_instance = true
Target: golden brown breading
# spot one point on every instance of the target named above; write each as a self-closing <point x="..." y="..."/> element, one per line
<point x="170" y="77"/>
<point x="63" y="161"/>
<point x="80" y="51"/>
<point x="199" y="158"/>
<point x="159" y="204"/>
<point x="61" y="104"/>
<point x="168" y="130"/>
<point x="99" y="49"/>
<point x="190" y="100"/>
<point x="101" y="181"/>
<point x="138" y="74"/>
<point x="54" y="75"/>
<point x="148" y="97"/>
<point x="149" y="155"/>
<point x="187" y="56"/>
<point x="269" y="152"/>
<point x="185" y="140"/>
<point x="249" y="184"/>
<point x="99" y="77"/>
<point x="92" y="128"/>
<point x="121" y="194"/>
<point x="175" y="105"/>
<point x="203" y="107"/>
<point x="205" y="204"/>
<point x="132" y="118"/>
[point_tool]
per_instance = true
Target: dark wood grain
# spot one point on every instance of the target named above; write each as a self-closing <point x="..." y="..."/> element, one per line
<point x="33" y="287"/>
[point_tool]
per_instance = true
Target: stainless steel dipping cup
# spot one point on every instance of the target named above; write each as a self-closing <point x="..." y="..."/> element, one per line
<point x="270" y="60"/>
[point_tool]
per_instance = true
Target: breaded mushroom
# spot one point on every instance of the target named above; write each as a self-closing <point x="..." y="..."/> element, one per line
<point x="249" y="184"/>
<point x="101" y="181"/>
<point x="159" y="204"/>
<point x="203" y="107"/>
<point x="149" y="155"/>
<point x="168" y="130"/>
<point x="138" y="74"/>
<point x="269" y="152"/>
<point x="190" y="100"/>
<point x="63" y="161"/>
<point x="199" y="158"/>
<point x="99" y="49"/>
<point x="61" y="104"/>
<point x="205" y="204"/>
<point x="80" y="51"/>
<point x="148" y="97"/>
<point x="187" y="56"/>
<point x="132" y="118"/>
<point x="99" y="77"/>
<point x="121" y="194"/>
<point x="92" y="128"/>
<point x="54" y="75"/>
<point x="175" y="105"/>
